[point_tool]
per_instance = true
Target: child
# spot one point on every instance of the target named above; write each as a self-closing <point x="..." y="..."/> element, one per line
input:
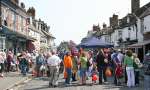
<point x="94" y="75"/>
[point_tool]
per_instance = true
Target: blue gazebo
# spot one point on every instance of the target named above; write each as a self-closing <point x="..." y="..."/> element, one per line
<point x="94" y="42"/>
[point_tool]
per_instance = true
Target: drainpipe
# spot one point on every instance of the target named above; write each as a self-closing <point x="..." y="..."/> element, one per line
<point x="144" y="50"/>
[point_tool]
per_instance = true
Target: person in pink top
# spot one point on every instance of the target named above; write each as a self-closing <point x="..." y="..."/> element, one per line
<point x="9" y="60"/>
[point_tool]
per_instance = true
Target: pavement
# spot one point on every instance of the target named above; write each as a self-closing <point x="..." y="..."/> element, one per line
<point x="12" y="79"/>
<point x="42" y="84"/>
<point x="15" y="81"/>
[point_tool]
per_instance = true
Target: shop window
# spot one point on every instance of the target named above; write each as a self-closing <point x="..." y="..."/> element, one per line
<point x="2" y="43"/>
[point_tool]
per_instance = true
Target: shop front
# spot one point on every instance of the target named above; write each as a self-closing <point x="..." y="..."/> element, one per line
<point x="141" y="48"/>
<point x="14" y="41"/>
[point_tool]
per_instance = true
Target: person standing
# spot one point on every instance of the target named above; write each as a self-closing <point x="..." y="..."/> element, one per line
<point x="83" y="67"/>
<point x="68" y="65"/>
<point x="101" y="66"/>
<point x="39" y="62"/>
<point x="137" y="65"/>
<point x="9" y="60"/>
<point x="53" y="62"/>
<point x="90" y="64"/>
<point x="75" y="67"/>
<point x="117" y="60"/>
<point x="1" y="64"/>
<point x="29" y="58"/>
<point x="128" y="62"/>
<point x="147" y="71"/>
<point x="23" y="63"/>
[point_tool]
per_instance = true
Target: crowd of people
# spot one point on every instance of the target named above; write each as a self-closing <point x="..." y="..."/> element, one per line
<point x="9" y="62"/>
<point x="101" y="64"/>
<point x="96" y="65"/>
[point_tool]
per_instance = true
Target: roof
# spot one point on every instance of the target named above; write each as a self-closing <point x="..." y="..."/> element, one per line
<point x="139" y="44"/>
<point x="146" y="13"/>
<point x="48" y="34"/>
<point x="142" y="9"/>
<point x="34" y="29"/>
<point x="124" y="21"/>
<point x="11" y="5"/>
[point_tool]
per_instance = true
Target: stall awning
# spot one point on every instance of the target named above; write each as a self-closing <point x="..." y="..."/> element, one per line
<point x="139" y="44"/>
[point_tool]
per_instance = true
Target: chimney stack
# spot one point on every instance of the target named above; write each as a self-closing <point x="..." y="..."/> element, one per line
<point x="31" y="12"/>
<point x="15" y="2"/>
<point x="96" y="28"/>
<point x="113" y="21"/>
<point x="22" y="5"/>
<point x="135" y="5"/>
<point x="104" y="25"/>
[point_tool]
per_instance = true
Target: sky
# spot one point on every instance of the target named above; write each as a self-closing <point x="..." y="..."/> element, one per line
<point x="72" y="19"/>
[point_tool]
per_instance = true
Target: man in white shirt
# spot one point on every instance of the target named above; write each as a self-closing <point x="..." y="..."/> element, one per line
<point x="53" y="62"/>
<point x="120" y="56"/>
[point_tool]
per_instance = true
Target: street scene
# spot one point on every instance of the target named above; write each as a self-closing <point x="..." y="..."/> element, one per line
<point x="74" y="45"/>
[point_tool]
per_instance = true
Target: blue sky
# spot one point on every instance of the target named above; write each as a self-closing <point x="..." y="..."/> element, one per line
<point x="71" y="19"/>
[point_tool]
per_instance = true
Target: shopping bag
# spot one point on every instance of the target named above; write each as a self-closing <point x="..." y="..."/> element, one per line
<point x="119" y="72"/>
<point x="42" y="67"/>
<point x="65" y="74"/>
<point x="78" y="75"/>
<point x="108" y="72"/>
<point x="12" y="64"/>
<point x="94" y="77"/>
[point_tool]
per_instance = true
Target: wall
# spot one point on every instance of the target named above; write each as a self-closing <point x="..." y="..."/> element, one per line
<point x="140" y="31"/>
<point x="115" y="36"/>
<point x="146" y="24"/>
<point x="132" y="32"/>
<point x="125" y="33"/>
<point x="15" y="19"/>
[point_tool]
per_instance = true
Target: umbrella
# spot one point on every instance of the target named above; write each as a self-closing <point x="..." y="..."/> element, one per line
<point x="94" y="42"/>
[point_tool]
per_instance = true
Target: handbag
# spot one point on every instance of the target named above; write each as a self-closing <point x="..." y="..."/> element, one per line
<point x="12" y="64"/>
<point x="42" y="67"/>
